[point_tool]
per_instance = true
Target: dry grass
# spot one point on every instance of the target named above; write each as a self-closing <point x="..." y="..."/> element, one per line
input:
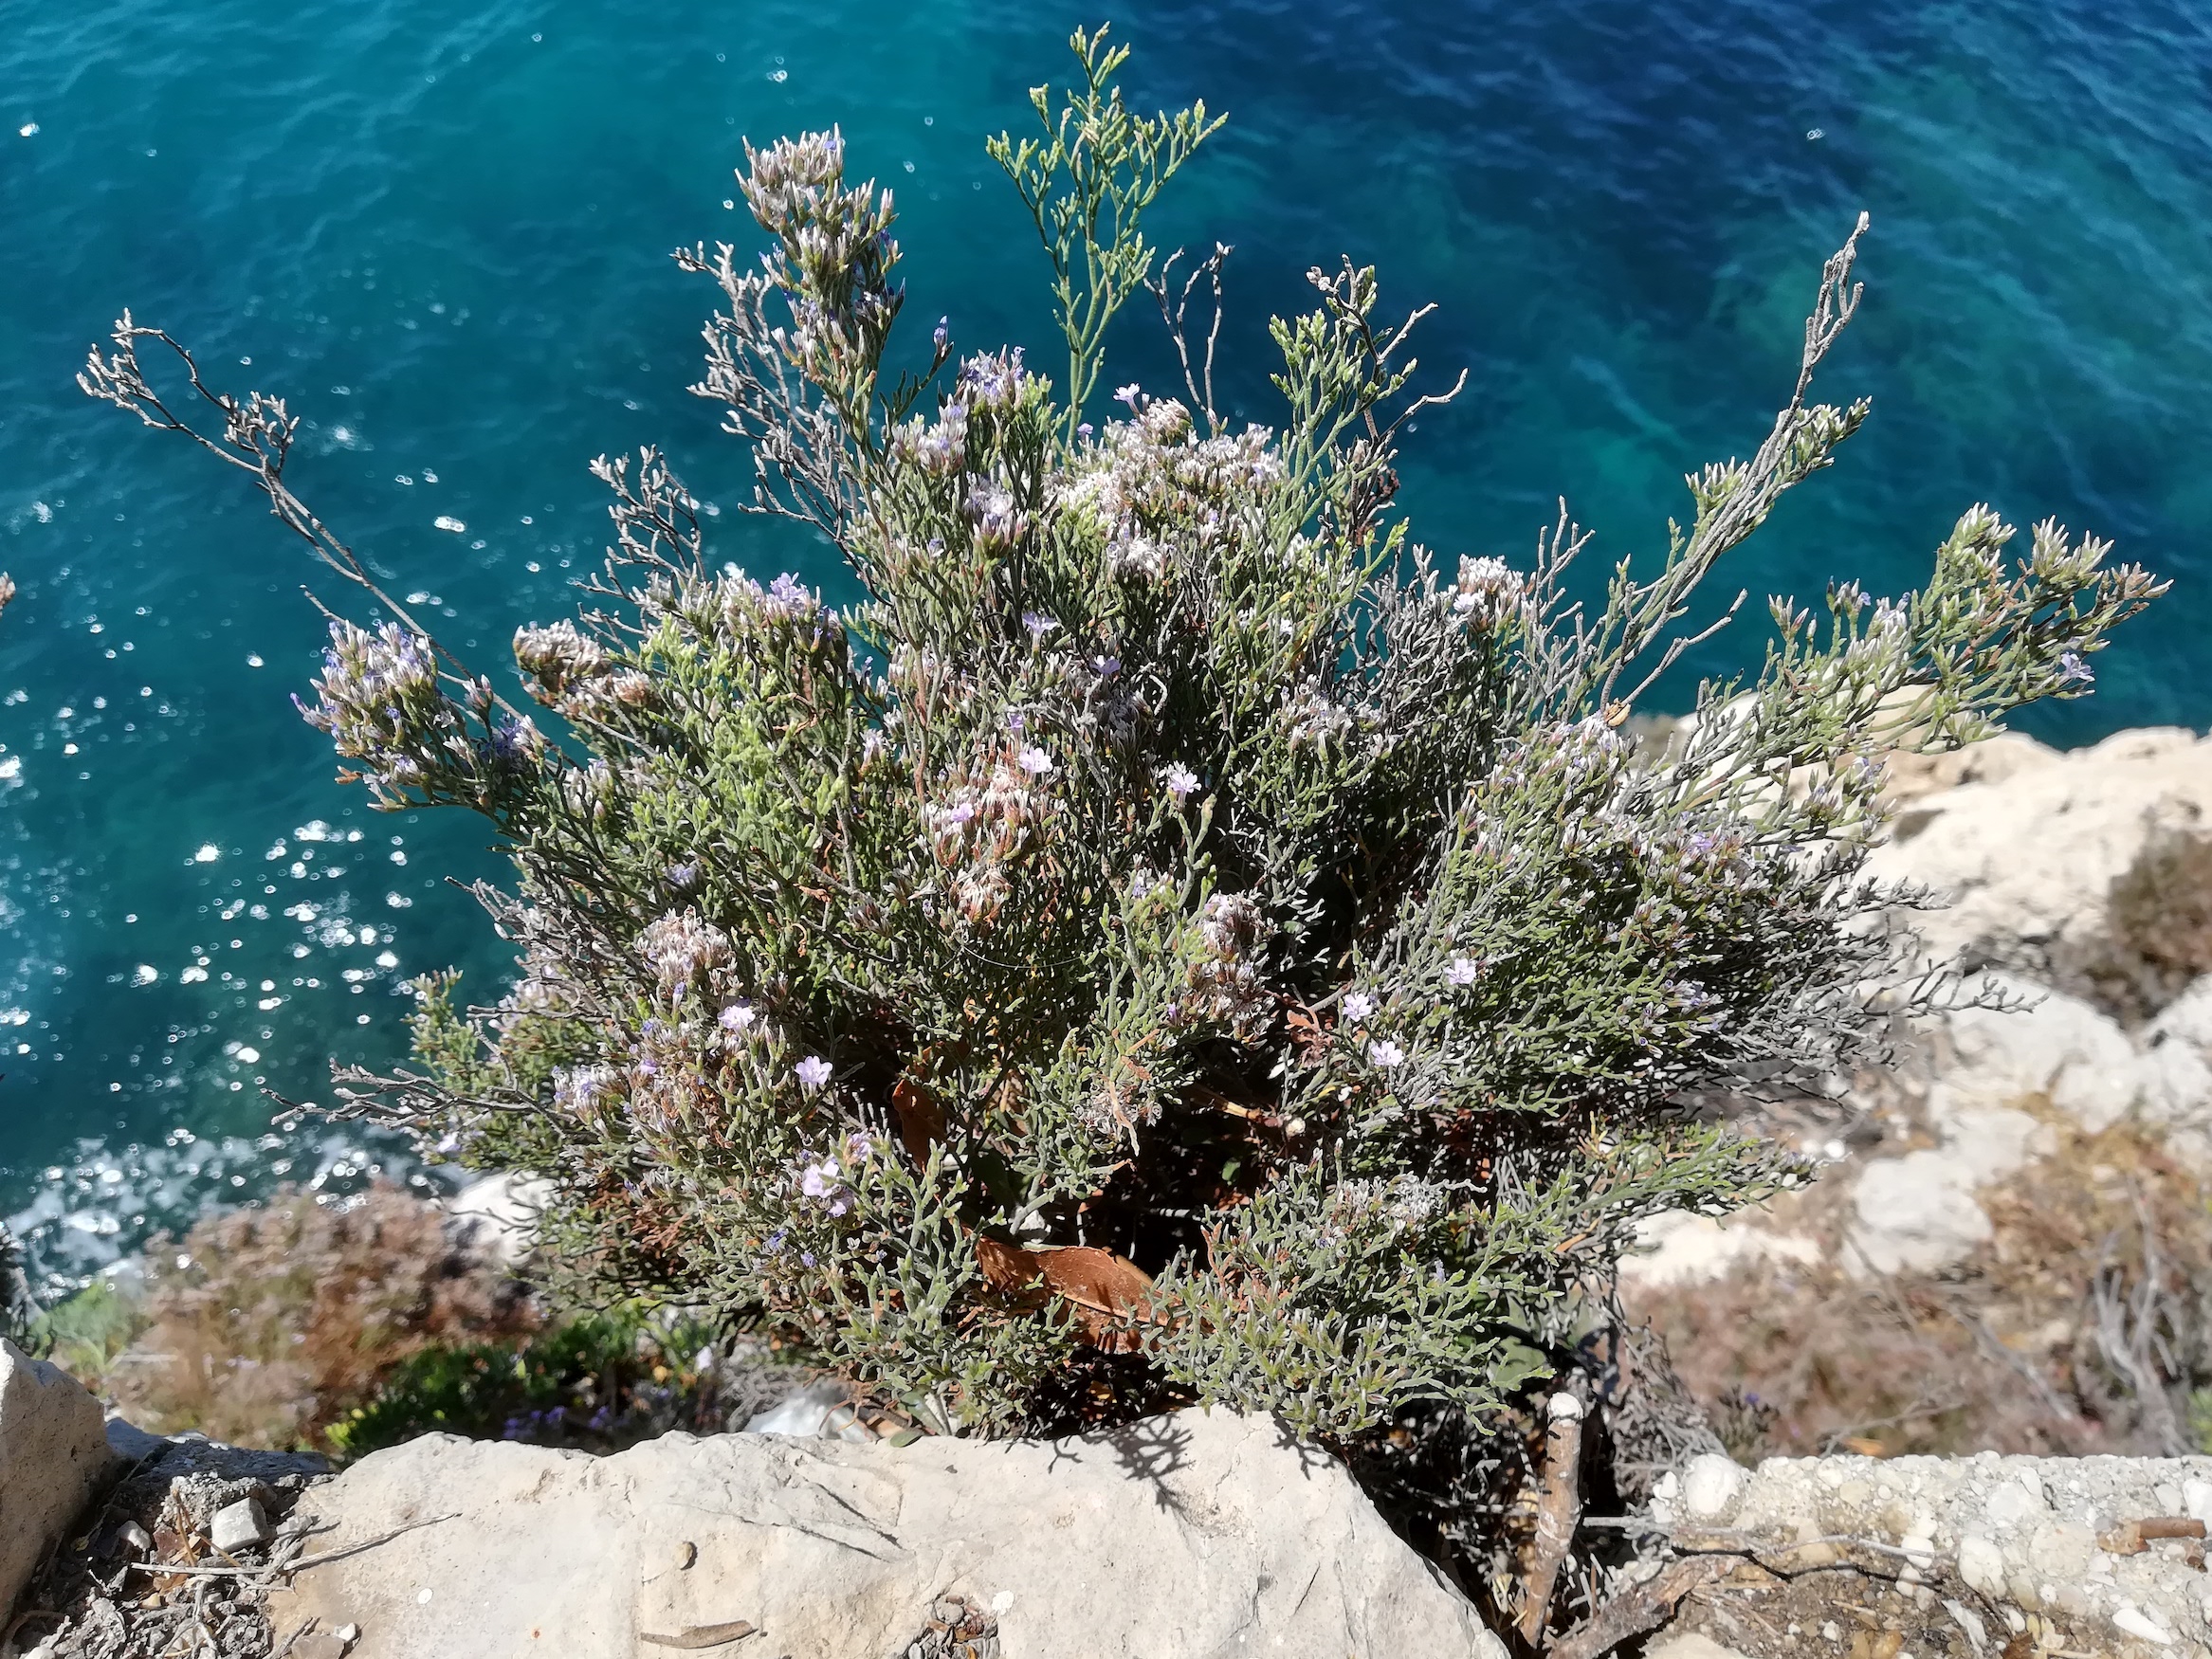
<point x="2159" y="935"/>
<point x="2081" y="1327"/>
<point x="265" y="1326"/>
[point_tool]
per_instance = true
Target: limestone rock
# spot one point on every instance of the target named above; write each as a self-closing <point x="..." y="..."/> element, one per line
<point x="1993" y="760"/>
<point x="497" y="1216"/>
<point x="1203" y="1534"/>
<point x="1913" y="1214"/>
<point x="1677" y="1248"/>
<point x="53" y="1456"/>
<point x="1690" y="1645"/>
<point x="2053" y="1047"/>
<point x="1711" y="1485"/>
<point x="2028" y="859"/>
<point x="2024" y="1532"/>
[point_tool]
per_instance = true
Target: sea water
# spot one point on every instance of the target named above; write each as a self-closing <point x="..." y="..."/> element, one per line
<point x="441" y="230"/>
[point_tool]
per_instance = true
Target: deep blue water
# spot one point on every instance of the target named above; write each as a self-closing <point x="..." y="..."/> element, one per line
<point x="441" y="230"/>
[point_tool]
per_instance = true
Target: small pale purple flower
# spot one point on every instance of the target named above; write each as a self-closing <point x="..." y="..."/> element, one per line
<point x="1084" y="430"/>
<point x="1358" y="1006"/>
<point x="1384" y="1054"/>
<point x="819" y="1180"/>
<point x="737" y="1018"/>
<point x="1463" y="971"/>
<point x="1127" y="395"/>
<point x="682" y="877"/>
<point x="1035" y="761"/>
<point x="1106" y="667"/>
<point x="2074" y="671"/>
<point x="812" y="1073"/>
<point x="1038" y="624"/>
<point x="1179" y="780"/>
<point x="943" y="334"/>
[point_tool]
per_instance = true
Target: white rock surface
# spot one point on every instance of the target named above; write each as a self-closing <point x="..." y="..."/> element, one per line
<point x="1711" y="1485"/>
<point x="496" y="1215"/>
<point x="1192" y="1537"/>
<point x="2056" y="1048"/>
<point x="53" y="1456"/>
<point x="1913" y="1214"/>
<point x="2029" y="858"/>
<point x="1679" y="1247"/>
<point x="2022" y="1531"/>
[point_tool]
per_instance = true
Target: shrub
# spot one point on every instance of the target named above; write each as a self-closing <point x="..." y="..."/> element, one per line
<point x="263" y="1327"/>
<point x="2159" y="932"/>
<point x="597" y="1381"/>
<point x="1174" y="938"/>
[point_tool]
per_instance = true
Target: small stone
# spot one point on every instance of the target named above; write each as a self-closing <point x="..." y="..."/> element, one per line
<point x="348" y="1633"/>
<point x="2137" y="1623"/>
<point x="1982" y="1565"/>
<point x="238" y="1526"/>
<point x="134" y="1537"/>
<point x="1711" y="1485"/>
<point x="1829" y="1632"/>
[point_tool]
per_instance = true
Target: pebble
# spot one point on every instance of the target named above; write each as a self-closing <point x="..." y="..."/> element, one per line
<point x="238" y="1526"/>
<point x="1711" y="1485"/>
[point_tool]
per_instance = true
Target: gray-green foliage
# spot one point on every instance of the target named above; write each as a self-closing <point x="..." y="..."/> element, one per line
<point x="1175" y="936"/>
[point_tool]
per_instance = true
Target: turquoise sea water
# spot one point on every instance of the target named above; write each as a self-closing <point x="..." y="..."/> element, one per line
<point x="441" y="230"/>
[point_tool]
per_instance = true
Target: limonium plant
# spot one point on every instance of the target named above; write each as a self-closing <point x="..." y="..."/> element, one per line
<point x="1176" y="935"/>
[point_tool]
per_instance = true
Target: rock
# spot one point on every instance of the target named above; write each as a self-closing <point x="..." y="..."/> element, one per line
<point x="1690" y="1645"/>
<point x="496" y="1217"/>
<point x="1982" y="1565"/>
<point x="2028" y="858"/>
<point x="131" y="1443"/>
<point x="810" y="1411"/>
<point x="1711" y="1485"/>
<point x="1915" y="1214"/>
<point x="1680" y="1248"/>
<point x="2056" y="1047"/>
<point x="238" y="1526"/>
<point x="1201" y="1534"/>
<point x="1992" y="760"/>
<point x="2021" y="1531"/>
<point x="53" y="1457"/>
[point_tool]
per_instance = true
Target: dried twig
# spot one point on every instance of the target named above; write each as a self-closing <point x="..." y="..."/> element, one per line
<point x="1644" y="1608"/>
<point x="1557" y="1512"/>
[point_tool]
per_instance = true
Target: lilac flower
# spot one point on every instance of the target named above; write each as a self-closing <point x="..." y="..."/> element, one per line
<point x="1127" y="395"/>
<point x="824" y="1183"/>
<point x="1015" y="719"/>
<point x="2073" y="670"/>
<point x="1038" y="624"/>
<point x="1463" y="971"/>
<point x="1084" y="430"/>
<point x="1358" y="1006"/>
<point x="1035" y="761"/>
<point x="812" y="1071"/>
<point x="1384" y="1054"/>
<point x="682" y="947"/>
<point x="737" y="1018"/>
<point x="859" y="1145"/>
<point x="942" y="336"/>
<point x="1178" y="780"/>
<point x="682" y="877"/>
<point x="1106" y="667"/>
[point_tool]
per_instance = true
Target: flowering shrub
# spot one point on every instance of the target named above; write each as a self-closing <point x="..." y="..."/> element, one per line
<point x="1175" y="937"/>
